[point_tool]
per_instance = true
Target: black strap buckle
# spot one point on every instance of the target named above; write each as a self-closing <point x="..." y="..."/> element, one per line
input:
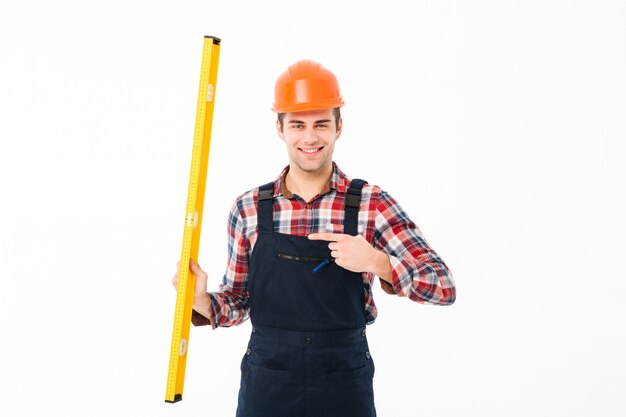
<point x="353" y="198"/>
<point x="266" y="195"/>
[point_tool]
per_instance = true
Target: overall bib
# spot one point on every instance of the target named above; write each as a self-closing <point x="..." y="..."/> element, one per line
<point x="308" y="354"/>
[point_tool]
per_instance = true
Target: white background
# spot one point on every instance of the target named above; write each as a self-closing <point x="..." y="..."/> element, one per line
<point x="497" y="125"/>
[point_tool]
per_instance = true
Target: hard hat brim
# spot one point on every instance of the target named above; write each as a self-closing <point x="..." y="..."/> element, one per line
<point x="318" y="105"/>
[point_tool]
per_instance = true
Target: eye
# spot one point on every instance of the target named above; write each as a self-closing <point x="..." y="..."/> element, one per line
<point x="322" y="125"/>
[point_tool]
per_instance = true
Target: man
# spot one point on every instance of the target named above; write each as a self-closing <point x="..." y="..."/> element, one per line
<point x="303" y="254"/>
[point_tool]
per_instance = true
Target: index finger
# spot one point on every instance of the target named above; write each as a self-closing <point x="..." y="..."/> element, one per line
<point x="330" y="237"/>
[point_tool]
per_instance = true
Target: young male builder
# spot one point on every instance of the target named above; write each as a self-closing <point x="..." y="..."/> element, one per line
<point x="303" y="253"/>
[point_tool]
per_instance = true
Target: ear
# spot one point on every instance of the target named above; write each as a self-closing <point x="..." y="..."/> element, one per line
<point x="281" y="135"/>
<point x="339" y="128"/>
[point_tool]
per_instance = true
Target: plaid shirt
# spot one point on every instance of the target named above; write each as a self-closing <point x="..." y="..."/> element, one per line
<point x="418" y="272"/>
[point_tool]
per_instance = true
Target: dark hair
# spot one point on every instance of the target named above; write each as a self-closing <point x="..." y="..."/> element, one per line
<point x="336" y="113"/>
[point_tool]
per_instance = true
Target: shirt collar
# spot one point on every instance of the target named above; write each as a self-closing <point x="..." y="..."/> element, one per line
<point x="338" y="181"/>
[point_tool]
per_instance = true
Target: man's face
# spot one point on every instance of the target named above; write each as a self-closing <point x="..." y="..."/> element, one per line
<point x="310" y="138"/>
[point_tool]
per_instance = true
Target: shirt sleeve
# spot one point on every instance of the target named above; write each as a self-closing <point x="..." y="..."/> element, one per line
<point x="418" y="271"/>
<point x="230" y="305"/>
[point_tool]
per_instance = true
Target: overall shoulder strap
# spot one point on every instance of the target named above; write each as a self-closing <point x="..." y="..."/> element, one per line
<point x="353" y="202"/>
<point x="265" y="216"/>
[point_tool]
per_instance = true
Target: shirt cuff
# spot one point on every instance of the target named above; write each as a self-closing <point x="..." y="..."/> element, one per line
<point x="400" y="271"/>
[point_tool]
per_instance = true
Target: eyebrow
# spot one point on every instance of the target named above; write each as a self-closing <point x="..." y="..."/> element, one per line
<point x="317" y="121"/>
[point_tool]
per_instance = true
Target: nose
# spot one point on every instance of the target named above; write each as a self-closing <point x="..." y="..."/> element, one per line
<point x="310" y="136"/>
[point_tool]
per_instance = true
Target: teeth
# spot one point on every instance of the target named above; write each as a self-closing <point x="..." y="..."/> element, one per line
<point x="310" y="150"/>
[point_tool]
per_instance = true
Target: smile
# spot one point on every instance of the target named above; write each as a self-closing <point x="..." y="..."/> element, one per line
<point x="311" y="151"/>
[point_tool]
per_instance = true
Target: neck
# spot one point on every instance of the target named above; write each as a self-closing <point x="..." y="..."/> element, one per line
<point x="307" y="184"/>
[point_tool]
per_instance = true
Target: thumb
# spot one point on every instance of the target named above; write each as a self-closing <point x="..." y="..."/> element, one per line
<point x="195" y="268"/>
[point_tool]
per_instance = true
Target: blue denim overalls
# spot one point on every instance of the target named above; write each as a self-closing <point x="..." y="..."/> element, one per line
<point x="308" y="354"/>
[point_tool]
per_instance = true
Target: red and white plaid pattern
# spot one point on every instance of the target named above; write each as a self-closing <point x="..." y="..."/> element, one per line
<point x="418" y="272"/>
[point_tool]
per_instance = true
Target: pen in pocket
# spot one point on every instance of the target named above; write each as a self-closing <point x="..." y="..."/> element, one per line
<point x="322" y="264"/>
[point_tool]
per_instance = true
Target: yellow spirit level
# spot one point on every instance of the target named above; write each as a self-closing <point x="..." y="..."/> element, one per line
<point x="193" y="219"/>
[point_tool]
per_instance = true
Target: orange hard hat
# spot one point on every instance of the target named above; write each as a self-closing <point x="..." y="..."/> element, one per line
<point x="306" y="85"/>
